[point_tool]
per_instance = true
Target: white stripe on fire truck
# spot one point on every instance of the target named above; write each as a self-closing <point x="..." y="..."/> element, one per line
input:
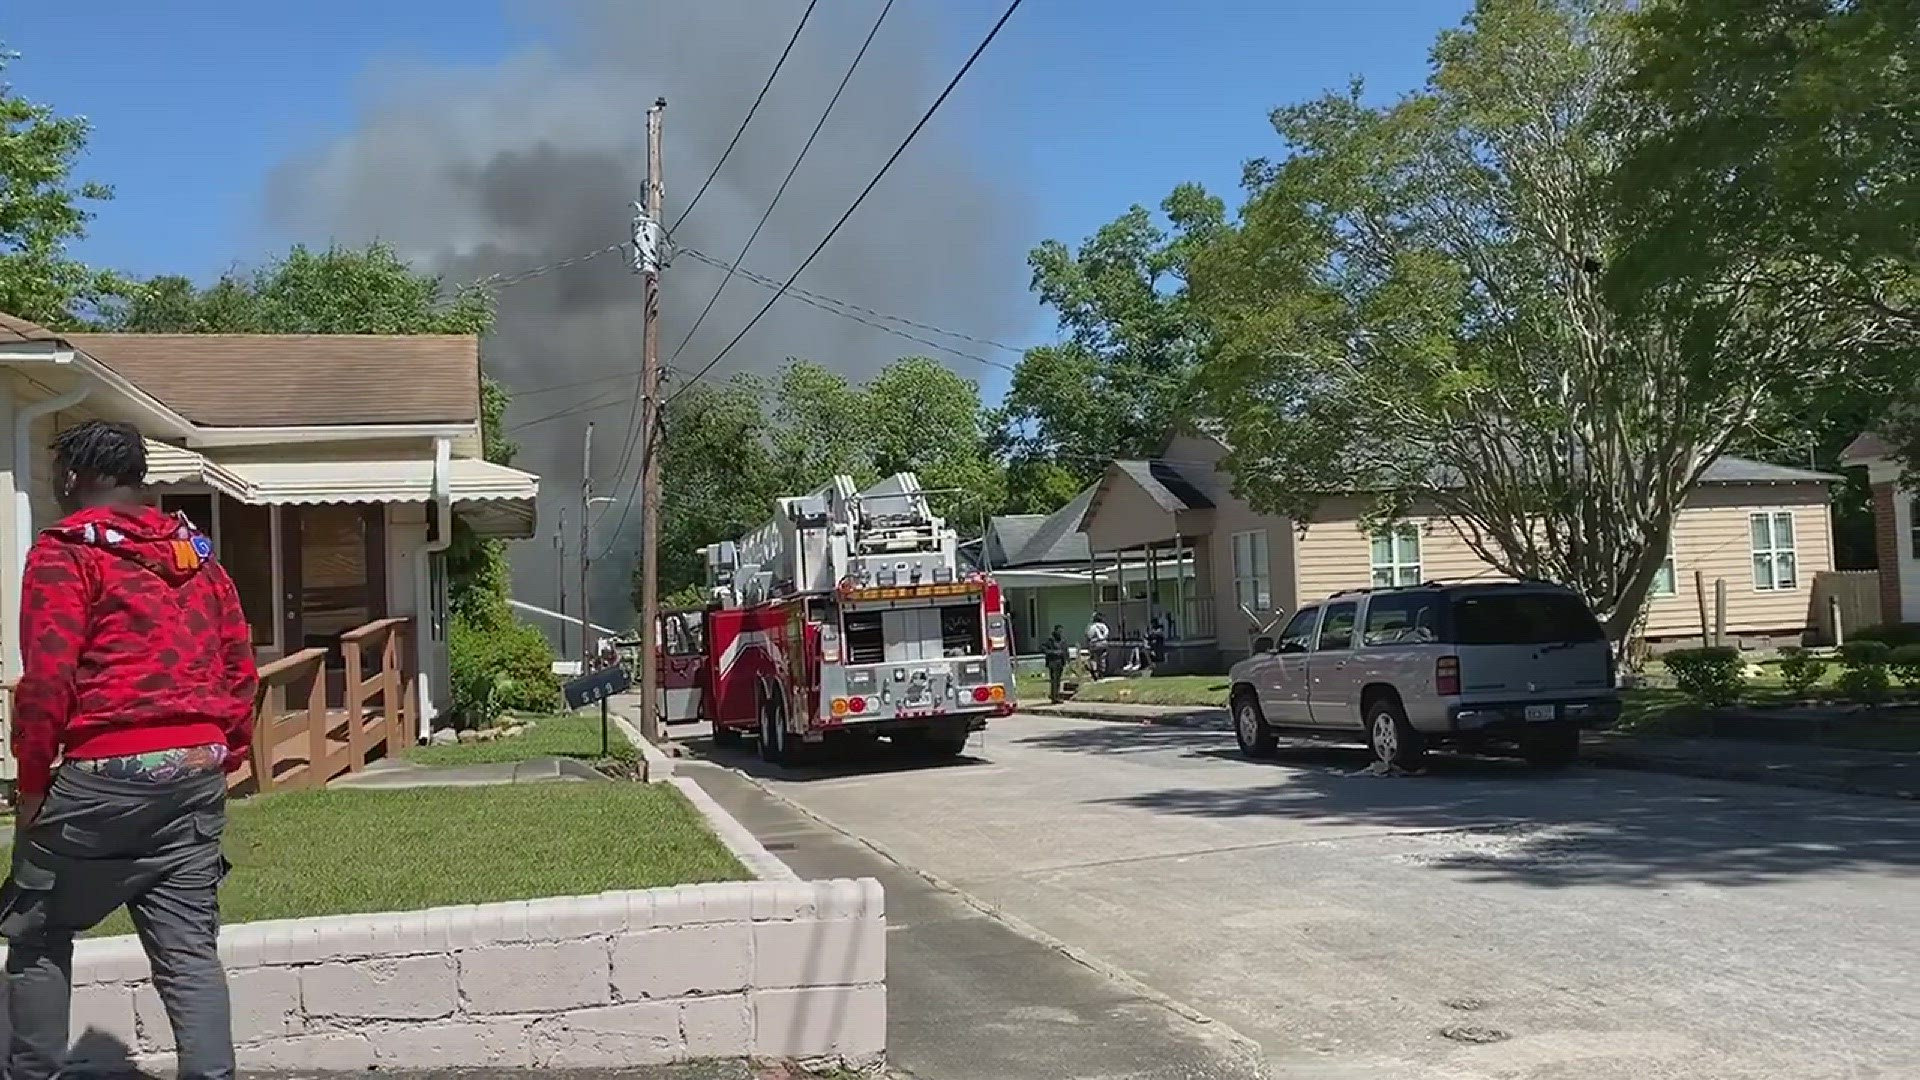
<point x="767" y="640"/>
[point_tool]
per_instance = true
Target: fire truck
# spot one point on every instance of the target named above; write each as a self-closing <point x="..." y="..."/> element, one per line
<point x="847" y="615"/>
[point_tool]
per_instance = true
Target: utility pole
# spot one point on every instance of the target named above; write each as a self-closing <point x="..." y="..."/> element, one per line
<point x="560" y="575"/>
<point x="586" y="516"/>
<point x="647" y="239"/>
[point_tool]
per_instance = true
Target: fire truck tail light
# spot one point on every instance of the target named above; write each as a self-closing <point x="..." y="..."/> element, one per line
<point x="840" y="706"/>
<point x="829" y="645"/>
<point x="857" y="705"/>
<point x="997" y="693"/>
<point x="996" y="633"/>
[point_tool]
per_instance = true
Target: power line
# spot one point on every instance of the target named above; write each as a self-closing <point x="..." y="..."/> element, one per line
<point x="734" y="266"/>
<point x="864" y="192"/>
<point x="755" y="107"/>
<point x="503" y="280"/>
<point x="822" y="299"/>
<point x="633" y="434"/>
<point x="571" y="410"/>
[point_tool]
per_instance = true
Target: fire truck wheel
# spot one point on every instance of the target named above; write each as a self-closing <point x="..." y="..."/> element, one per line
<point x="773" y="734"/>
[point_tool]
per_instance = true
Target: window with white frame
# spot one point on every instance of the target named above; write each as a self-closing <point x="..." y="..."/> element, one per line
<point x="1252" y="571"/>
<point x="1396" y="556"/>
<point x="1775" y="565"/>
<point x="1666" y="581"/>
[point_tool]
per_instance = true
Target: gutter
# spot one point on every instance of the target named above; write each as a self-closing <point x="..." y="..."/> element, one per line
<point x="316" y="433"/>
<point x="426" y="597"/>
<point x="23" y="419"/>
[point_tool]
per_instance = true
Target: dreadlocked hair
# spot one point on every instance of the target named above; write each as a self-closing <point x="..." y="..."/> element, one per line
<point x="103" y="450"/>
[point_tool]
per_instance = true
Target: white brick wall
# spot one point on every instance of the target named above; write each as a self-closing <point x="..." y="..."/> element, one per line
<point x="764" y="968"/>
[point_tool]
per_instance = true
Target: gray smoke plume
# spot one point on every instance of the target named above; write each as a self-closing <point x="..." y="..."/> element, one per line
<point x="477" y="171"/>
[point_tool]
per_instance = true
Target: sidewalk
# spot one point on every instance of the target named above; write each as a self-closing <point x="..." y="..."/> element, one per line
<point x="969" y="997"/>
<point x="1855" y="772"/>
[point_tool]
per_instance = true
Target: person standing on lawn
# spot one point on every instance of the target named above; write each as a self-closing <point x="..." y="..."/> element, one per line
<point x="1098" y="635"/>
<point x="1054" y="651"/>
<point x="139" y="678"/>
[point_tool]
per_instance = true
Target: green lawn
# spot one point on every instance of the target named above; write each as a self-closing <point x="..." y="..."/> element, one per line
<point x="348" y="851"/>
<point x="1657" y="712"/>
<point x="575" y="735"/>
<point x="1160" y="690"/>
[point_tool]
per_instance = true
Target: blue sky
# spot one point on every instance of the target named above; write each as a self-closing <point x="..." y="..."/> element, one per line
<point x="1085" y="106"/>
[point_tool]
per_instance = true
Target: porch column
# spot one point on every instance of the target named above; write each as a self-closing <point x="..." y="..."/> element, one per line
<point x="1153" y="581"/>
<point x="1179" y="589"/>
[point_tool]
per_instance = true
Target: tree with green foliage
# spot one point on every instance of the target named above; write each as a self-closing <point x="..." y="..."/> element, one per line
<point x="1117" y="386"/>
<point x="1785" y="155"/>
<point x="731" y="450"/>
<point x="1786" y="161"/>
<point x="1412" y="306"/>
<point x="718" y="475"/>
<point x="42" y="210"/>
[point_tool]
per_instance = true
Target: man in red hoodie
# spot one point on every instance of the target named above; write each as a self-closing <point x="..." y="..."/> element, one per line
<point x="139" y="679"/>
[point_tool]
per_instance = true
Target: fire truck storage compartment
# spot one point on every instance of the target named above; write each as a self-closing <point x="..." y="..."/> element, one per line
<point x="866" y="638"/>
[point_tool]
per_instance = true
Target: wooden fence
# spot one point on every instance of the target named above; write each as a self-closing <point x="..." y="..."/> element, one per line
<point x="305" y="745"/>
<point x="1858" y="607"/>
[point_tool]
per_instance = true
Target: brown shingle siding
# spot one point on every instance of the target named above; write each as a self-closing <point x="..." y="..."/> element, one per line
<point x="298" y="380"/>
<point x="1886" y="549"/>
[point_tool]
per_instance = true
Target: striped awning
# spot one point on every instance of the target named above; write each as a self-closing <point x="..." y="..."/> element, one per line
<point x="497" y="500"/>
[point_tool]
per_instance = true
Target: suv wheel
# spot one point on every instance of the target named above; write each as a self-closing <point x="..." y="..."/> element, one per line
<point x="1393" y="740"/>
<point x="1250" y="728"/>
<point x="1551" y="748"/>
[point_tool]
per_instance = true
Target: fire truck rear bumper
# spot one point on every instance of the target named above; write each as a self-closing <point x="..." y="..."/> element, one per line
<point x="905" y="720"/>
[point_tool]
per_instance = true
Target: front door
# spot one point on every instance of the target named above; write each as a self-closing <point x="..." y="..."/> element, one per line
<point x="1333" y="699"/>
<point x="333" y="574"/>
<point x="1283" y="681"/>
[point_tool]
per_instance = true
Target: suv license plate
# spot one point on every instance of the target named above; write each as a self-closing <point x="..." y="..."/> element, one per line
<point x="1537" y="713"/>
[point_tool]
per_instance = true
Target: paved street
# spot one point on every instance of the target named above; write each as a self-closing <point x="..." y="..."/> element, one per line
<point x="1481" y="922"/>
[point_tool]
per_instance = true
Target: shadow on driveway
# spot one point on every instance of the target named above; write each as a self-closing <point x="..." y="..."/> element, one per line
<point x="1544" y="828"/>
<point x="827" y="761"/>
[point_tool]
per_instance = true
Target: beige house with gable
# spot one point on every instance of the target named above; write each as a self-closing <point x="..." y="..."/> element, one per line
<point x="1765" y="530"/>
<point x="328" y="471"/>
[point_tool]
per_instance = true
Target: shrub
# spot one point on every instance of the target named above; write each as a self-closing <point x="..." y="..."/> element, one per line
<point x="1905" y="662"/>
<point x="1800" y="670"/>
<point x="496" y="665"/>
<point x="1892" y="634"/>
<point x="1864" y="654"/>
<point x="1866" y="685"/>
<point x="1865" y="678"/>
<point x="1711" y="677"/>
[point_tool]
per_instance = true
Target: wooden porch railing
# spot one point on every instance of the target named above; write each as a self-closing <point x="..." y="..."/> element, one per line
<point x="307" y="745"/>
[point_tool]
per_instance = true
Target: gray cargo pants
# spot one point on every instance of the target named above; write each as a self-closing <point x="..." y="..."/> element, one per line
<point x="99" y="843"/>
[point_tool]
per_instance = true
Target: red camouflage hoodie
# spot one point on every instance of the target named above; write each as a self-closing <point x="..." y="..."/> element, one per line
<point x="133" y="641"/>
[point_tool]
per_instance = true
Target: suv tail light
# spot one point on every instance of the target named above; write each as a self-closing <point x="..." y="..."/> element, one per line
<point x="1446" y="675"/>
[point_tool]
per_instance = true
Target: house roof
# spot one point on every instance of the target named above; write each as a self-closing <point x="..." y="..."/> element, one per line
<point x="1045" y="539"/>
<point x="1164" y="484"/>
<point x="1727" y="469"/>
<point x="216" y="380"/>
<point x="1866" y="447"/>
<point x="13" y="328"/>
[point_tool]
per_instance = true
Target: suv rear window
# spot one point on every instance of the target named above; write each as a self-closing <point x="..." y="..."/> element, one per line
<point x="1523" y="618"/>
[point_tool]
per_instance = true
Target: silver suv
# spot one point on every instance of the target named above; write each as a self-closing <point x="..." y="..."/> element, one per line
<point x="1479" y="666"/>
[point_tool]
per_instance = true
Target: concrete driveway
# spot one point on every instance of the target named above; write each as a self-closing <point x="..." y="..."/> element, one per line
<point x="1480" y="922"/>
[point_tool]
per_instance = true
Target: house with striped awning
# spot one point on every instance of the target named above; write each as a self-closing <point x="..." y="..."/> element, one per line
<point x="327" y="469"/>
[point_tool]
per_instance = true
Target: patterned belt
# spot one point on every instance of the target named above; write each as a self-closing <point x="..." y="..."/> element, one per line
<point x="158" y="765"/>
